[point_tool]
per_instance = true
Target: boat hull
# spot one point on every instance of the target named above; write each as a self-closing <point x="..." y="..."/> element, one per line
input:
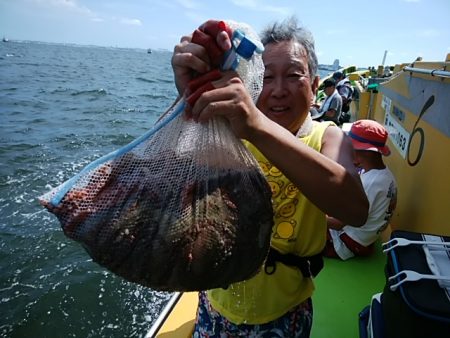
<point x="414" y="107"/>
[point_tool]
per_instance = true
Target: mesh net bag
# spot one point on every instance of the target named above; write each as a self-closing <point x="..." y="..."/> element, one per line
<point x="183" y="207"/>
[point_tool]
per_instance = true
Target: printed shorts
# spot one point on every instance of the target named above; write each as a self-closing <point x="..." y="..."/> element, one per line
<point x="296" y="323"/>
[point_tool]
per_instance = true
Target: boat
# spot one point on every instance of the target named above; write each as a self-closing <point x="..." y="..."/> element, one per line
<point x="348" y="293"/>
<point x="5" y="39"/>
<point x="413" y="105"/>
<point x="412" y="101"/>
<point x="334" y="67"/>
<point x="320" y="96"/>
<point x="149" y="51"/>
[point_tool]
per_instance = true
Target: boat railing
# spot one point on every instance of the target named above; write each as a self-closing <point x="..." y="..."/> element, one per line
<point x="432" y="72"/>
<point x="163" y="315"/>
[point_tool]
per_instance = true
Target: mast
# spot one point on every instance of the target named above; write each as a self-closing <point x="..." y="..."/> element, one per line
<point x="384" y="58"/>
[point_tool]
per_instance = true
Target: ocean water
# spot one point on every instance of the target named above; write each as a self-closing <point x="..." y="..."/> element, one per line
<point x="62" y="106"/>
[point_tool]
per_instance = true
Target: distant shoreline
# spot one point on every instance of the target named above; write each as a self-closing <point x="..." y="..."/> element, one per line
<point x="71" y="44"/>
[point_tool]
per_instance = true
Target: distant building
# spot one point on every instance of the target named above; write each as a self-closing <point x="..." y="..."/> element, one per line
<point x="333" y="67"/>
<point x="336" y="64"/>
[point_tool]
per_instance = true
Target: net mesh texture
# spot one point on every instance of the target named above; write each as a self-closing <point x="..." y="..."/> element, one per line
<point x="184" y="207"/>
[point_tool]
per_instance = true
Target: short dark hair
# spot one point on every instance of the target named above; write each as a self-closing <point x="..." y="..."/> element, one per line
<point x="329" y="83"/>
<point x="338" y="75"/>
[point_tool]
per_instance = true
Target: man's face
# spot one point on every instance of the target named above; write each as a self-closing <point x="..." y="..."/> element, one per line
<point x="287" y="92"/>
<point x="329" y="90"/>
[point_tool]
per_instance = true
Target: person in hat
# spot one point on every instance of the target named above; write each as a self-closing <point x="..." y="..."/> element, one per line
<point x="344" y="240"/>
<point x="330" y="110"/>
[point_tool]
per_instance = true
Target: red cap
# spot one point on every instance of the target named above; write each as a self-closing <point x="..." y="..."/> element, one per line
<point x="369" y="135"/>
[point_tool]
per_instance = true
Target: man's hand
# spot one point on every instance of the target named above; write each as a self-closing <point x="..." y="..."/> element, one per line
<point x="200" y="52"/>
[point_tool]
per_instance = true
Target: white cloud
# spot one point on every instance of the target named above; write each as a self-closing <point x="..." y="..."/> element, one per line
<point x="196" y="17"/>
<point x="70" y="5"/>
<point x="258" y="6"/>
<point x="189" y="4"/>
<point x="131" y="22"/>
<point x="336" y="31"/>
<point x="74" y="7"/>
<point x="428" y="33"/>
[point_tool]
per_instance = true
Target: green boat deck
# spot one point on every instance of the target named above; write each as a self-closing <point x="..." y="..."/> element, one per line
<point x="343" y="289"/>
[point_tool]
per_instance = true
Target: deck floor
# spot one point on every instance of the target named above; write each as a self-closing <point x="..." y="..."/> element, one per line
<point x="343" y="289"/>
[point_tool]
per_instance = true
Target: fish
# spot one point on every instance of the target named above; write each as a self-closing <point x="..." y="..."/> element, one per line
<point x="212" y="232"/>
<point x="184" y="207"/>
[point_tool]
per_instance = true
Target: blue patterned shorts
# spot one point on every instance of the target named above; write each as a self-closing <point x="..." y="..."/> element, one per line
<point x="296" y="323"/>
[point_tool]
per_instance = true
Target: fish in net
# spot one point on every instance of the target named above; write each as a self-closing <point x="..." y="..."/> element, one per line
<point x="183" y="207"/>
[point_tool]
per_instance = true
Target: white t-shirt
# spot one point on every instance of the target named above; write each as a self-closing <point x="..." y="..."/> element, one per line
<point x="334" y="101"/>
<point x="381" y="190"/>
<point x="344" y="87"/>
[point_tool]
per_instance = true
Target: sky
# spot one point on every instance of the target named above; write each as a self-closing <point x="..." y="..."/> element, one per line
<point x="355" y="32"/>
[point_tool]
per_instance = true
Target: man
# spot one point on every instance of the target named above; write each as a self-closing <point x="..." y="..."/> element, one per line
<point x="331" y="107"/>
<point x="308" y="164"/>
<point x="345" y="90"/>
<point x="346" y="241"/>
